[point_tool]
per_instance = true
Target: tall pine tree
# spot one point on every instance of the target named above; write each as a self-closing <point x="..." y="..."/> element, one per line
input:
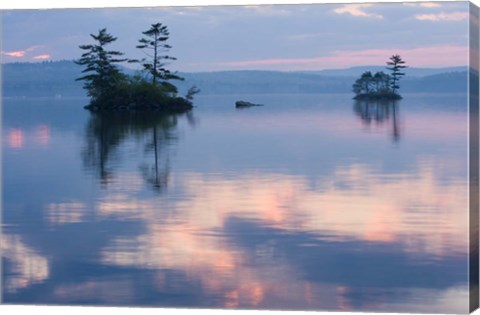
<point x="101" y="73"/>
<point x="397" y="64"/>
<point x="156" y="48"/>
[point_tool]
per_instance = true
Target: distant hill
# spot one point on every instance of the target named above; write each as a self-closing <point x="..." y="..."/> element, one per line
<point x="229" y="82"/>
<point x="49" y="79"/>
<point x="410" y="72"/>
<point x="450" y="82"/>
<point x="41" y="79"/>
<point x="300" y="82"/>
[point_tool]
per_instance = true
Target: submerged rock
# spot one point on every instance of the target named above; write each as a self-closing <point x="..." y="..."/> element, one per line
<point x="244" y="104"/>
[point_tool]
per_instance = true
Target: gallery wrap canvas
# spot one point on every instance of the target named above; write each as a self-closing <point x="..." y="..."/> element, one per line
<point x="303" y="157"/>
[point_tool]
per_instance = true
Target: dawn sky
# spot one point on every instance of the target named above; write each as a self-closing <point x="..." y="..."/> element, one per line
<point x="283" y="37"/>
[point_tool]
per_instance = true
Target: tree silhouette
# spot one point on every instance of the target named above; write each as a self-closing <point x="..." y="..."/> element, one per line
<point x="101" y="74"/>
<point x="367" y="81"/>
<point x="191" y="93"/>
<point x="382" y="81"/>
<point x="380" y="86"/>
<point x="110" y="89"/>
<point x="156" y="48"/>
<point x="397" y="64"/>
<point x="372" y="84"/>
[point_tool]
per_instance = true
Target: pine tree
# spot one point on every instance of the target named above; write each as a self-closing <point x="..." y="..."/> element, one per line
<point x="397" y="64"/>
<point x="156" y="49"/>
<point x="101" y="74"/>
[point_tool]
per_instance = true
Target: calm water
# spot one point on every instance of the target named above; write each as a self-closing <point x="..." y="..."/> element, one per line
<point x="310" y="202"/>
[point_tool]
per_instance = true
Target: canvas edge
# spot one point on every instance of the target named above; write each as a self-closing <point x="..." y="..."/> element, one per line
<point x="473" y="156"/>
<point x="1" y="156"/>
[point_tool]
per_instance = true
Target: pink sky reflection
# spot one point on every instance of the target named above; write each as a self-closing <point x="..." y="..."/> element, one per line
<point x="18" y="138"/>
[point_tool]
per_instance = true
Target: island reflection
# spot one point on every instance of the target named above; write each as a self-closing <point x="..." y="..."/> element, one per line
<point x="107" y="132"/>
<point x="381" y="113"/>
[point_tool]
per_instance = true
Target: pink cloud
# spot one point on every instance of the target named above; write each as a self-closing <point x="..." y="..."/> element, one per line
<point x="436" y="56"/>
<point x="33" y="48"/>
<point x="42" y="57"/>
<point x="424" y="4"/>
<point x="20" y="53"/>
<point x="454" y="16"/>
<point x="357" y="10"/>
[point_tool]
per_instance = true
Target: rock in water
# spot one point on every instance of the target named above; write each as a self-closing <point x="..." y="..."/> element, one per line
<point x="243" y="104"/>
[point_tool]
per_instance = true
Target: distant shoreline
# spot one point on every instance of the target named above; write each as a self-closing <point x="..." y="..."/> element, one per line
<point x="48" y="79"/>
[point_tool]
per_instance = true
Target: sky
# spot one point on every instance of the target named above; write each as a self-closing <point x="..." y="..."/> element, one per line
<point x="258" y="37"/>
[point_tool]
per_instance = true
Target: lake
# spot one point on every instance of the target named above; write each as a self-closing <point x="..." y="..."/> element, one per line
<point x="309" y="202"/>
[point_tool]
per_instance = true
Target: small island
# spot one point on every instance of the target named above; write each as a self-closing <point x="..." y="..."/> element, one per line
<point x="152" y="89"/>
<point x="380" y="86"/>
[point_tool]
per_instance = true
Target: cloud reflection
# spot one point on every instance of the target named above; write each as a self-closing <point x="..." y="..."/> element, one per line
<point x="65" y="212"/>
<point x="42" y="135"/>
<point x="102" y="291"/>
<point x="404" y="216"/>
<point x="376" y="210"/>
<point x="17" y="138"/>
<point x="28" y="267"/>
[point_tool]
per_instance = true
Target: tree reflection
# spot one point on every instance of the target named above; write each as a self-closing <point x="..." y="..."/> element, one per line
<point x="381" y="113"/>
<point x="156" y="175"/>
<point x="108" y="133"/>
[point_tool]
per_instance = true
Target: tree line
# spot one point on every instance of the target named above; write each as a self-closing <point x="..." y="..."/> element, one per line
<point x="381" y="85"/>
<point x="110" y="89"/>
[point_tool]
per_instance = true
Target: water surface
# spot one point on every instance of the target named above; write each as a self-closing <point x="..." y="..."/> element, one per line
<point x="309" y="202"/>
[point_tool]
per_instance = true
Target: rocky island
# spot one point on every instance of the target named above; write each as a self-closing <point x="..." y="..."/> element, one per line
<point x="150" y="90"/>
<point x="380" y="86"/>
